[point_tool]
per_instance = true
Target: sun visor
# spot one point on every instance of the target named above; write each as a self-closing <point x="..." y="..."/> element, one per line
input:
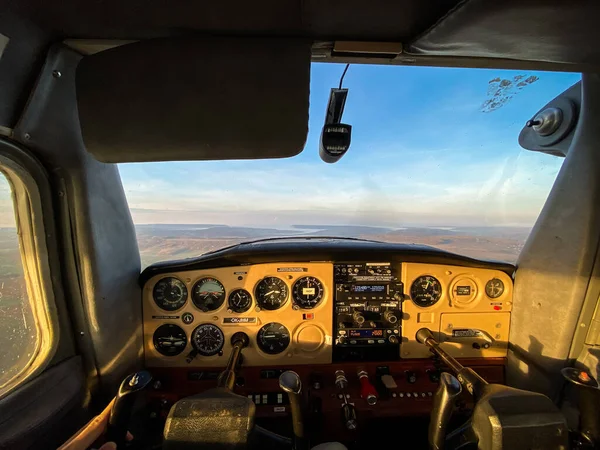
<point x="560" y="31"/>
<point x="195" y="99"/>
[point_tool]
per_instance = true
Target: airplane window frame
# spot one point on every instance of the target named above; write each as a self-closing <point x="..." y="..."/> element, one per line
<point x="31" y="233"/>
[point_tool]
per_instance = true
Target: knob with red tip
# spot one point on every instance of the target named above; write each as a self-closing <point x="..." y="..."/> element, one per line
<point x="367" y="391"/>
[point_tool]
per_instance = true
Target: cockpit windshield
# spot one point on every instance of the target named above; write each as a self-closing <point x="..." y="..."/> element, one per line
<point x="434" y="160"/>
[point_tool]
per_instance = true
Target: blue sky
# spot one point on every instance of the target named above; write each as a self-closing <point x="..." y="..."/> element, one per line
<point x="423" y="153"/>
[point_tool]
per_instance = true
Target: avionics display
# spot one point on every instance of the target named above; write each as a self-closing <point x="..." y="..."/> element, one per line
<point x="368" y="311"/>
<point x="368" y="288"/>
<point x="365" y="333"/>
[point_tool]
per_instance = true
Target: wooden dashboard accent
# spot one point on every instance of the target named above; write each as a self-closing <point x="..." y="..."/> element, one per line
<point x="310" y="329"/>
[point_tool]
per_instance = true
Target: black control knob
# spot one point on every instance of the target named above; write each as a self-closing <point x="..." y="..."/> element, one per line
<point x="434" y="375"/>
<point x="358" y="318"/>
<point x="411" y="376"/>
<point x="393" y="339"/>
<point x="390" y="317"/>
<point x="342" y="340"/>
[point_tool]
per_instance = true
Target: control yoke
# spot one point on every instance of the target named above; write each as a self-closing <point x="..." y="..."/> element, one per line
<point x="503" y="417"/>
<point x="123" y="406"/>
<point x="467" y="377"/>
<point x="227" y="377"/>
<point x="217" y="418"/>
<point x="588" y="404"/>
<point x="221" y="419"/>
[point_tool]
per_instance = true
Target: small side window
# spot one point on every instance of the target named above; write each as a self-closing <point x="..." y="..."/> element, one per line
<point x="18" y="333"/>
<point x="28" y="323"/>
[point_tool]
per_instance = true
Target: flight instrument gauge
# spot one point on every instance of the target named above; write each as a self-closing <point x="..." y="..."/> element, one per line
<point x="307" y="292"/>
<point x="271" y="293"/>
<point x="239" y="300"/>
<point x="426" y="291"/>
<point x="208" y="294"/>
<point x="208" y="339"/>
<point x="273" y="338"/>
<point x="494" y="288"/>
<point x="169" y="294"/>
<point x="169" y="339"/>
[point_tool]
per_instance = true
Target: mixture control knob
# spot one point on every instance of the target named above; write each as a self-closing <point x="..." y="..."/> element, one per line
<point x="390" y="317"/>
<point x="367" y="391"/>
<point x="358" y="317"/>
<point x="393" y="339"/>
<point x="411" y="376"/>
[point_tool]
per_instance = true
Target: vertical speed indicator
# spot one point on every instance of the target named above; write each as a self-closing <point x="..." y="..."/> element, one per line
<point x="273" y="338"/>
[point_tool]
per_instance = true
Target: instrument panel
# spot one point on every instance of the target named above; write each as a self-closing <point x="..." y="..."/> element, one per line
<point x="285" y="309"/>
<point x="323" y="312"/>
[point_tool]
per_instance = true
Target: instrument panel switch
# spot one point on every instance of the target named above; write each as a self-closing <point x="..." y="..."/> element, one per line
<point x="411" y="376"/>
<point x="367" y="391"/>
<point x="434" y="375"/>
<point x="388" y="382"/>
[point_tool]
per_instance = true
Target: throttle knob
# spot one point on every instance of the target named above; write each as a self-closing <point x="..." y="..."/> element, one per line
<point x="341" y="382"/>
<point x="367" y="391"/>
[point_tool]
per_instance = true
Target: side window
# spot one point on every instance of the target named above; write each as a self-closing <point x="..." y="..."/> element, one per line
<point x="19" y="333"/>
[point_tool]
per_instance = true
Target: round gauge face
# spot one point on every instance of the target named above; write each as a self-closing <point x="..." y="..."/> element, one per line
<point x="169" y="294"/>
<point x="208" y="294"/>
<point x="426" y="291"/>
<point x="273" y="338"/>
<point x="307" y="292"/>
<point x="271" y="293"/>
<point x="169" y="340"/>
<point x="494" y="288"/>
<point x="208" y="339"/>
<point x="239" y="300"/>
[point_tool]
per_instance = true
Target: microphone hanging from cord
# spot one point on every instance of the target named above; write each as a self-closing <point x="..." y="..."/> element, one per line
<point x="335" y="136"/>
